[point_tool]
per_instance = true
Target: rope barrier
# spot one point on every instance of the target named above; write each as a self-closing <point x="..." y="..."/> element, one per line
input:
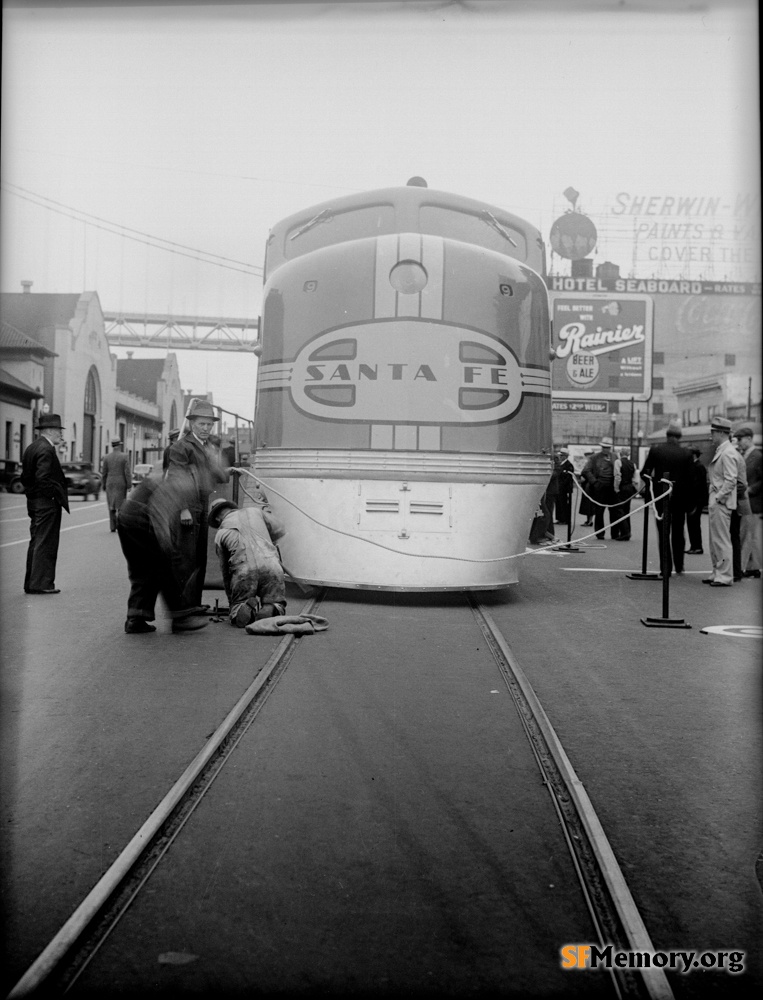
<point x="610" y="506"/>
<point x="417" y="555"/>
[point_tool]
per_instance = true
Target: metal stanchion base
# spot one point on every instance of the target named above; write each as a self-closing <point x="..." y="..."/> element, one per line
<point x="643" y="576"/>
<point x="665" y="623"/>
<point x="569" y="548"/>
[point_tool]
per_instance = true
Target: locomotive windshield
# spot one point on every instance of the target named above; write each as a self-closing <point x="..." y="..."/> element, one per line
<point x="333" y="226"/>
<point x="480" y="228"/>
<point x="406" y="210"/>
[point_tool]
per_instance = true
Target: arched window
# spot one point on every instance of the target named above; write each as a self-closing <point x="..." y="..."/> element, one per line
<point x="91" y="392"/>
<point x="90" y="415"/>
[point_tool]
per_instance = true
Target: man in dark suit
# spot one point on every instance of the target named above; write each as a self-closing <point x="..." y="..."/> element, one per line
<point x="696" y="502"/>
<point x="670" y="461"/>
<point x="46" y="496"/>
<point x="194" y="469"/>
<point x="117" y="479"/>
<point x="173" y="436"/>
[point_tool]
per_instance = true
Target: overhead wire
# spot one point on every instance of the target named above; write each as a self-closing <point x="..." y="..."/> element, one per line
<point x="118" y="229"/>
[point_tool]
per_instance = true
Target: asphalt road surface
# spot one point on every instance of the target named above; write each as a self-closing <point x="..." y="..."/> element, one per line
<point x="383" y="824"/>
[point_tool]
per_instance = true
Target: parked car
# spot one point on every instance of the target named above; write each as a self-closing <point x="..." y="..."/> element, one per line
<point x="140" y="472"/>
<point x="81" y="480"/>
<point x="10" y="476"/>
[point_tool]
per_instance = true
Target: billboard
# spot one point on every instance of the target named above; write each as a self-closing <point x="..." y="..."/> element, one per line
<point x="603" y="346"/>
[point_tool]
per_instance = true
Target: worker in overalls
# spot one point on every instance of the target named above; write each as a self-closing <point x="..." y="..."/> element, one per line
<point x="251" y="568"/>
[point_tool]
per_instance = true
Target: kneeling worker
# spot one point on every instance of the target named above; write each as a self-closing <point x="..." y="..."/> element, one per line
<point x="251" y="568"/>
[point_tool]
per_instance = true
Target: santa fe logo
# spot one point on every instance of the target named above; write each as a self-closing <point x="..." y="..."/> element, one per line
<point x="406" y="371"/>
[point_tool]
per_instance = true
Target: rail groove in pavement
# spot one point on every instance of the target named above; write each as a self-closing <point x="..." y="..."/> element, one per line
<point x="68" y="953"/>
<point x="610" y="903"/>
<point x="608" y="898"/>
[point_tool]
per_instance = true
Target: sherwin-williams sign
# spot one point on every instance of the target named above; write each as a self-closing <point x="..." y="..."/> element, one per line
<point x="603" y="346"/>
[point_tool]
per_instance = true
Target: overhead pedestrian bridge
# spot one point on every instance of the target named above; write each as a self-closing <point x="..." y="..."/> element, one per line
<point x="191" y="333"/>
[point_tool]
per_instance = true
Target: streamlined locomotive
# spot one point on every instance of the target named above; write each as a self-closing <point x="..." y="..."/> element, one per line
<point x="403" y="412"/>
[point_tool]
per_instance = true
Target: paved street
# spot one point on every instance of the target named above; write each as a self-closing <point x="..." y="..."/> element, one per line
<point x="662" y="726"/>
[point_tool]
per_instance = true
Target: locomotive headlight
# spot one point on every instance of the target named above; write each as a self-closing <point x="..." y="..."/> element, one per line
<point x="408" y="276"/>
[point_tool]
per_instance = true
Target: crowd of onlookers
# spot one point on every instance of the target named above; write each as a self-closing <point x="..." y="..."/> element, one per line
<point x="682" y="488"/>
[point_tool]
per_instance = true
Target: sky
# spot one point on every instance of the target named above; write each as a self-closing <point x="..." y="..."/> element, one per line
<point x="147" y="150"/>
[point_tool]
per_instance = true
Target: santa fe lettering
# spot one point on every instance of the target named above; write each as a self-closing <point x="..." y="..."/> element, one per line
<point x="342" y="373"/>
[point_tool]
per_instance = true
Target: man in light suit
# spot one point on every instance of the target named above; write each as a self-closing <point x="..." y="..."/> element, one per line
<point x="46" y="496"/>
<point x="117" y="479"/>
<point x="722" y="475"/>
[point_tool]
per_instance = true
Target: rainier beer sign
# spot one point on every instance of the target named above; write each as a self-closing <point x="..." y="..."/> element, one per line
<point x="602" y="345"/>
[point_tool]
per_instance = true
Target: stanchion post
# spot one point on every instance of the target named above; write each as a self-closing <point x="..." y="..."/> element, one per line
<point x="643" y="575"/>
<point x="235" y="486"/>
<point x="665" y="558"/>
<point x="666" y="621"/>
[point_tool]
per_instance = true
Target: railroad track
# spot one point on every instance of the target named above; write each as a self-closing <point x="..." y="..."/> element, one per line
<point x="613" y="912"/>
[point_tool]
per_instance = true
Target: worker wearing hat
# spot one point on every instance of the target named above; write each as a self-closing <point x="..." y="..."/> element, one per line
<point x="46" y="496"/>
<point x="251" y="568"/>
<point x="751" y="527"/>
<point x="669" y="461"/>
<point x="191" y="460"/>
<point x="722" y="479"/>
<point x="116" y="476"/>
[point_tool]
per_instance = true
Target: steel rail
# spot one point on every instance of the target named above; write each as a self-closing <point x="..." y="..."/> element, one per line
<point x="50" y="961"/>
<point x="562" y="781"/>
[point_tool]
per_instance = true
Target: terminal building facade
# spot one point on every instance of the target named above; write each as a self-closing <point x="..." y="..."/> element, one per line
<point x="55" y="357"/>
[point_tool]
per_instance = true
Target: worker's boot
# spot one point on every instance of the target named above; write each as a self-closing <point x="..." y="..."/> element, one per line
<point x="244" y="614"/>
<point x="269" y="611"/>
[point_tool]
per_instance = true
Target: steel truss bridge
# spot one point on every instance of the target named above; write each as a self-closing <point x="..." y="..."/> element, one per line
<point x="189" y="333"/>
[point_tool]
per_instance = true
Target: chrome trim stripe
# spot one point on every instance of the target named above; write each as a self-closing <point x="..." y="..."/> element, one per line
<point x="536" y="381"/>
<point x="433" y="260"/>
<point x="384" y="294"/>
<point x="293" y="463"/>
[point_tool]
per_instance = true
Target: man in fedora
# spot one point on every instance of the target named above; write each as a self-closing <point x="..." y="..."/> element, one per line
<point x="173" y="436"/>
<point x="598" y="477"/>
<point x="191" y="463"/>
<point x="722" y="476"/>
<point x="670" y="461"/>
<point x="46" y="496"/>
<point x="117" y="479"/>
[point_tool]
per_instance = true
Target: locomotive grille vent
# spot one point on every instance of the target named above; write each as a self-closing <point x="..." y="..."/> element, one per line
<point x="422" y="507"/>
<point x="382" y="506"/>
